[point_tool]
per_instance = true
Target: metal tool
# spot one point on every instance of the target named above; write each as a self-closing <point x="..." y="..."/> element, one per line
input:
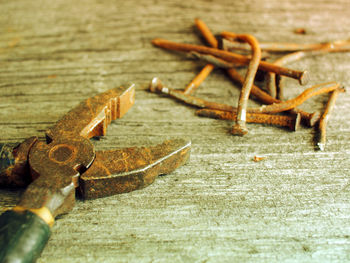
<point x="67" y="161"/>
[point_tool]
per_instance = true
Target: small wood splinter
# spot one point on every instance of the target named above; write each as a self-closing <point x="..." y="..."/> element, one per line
<point x="258" y="158"/>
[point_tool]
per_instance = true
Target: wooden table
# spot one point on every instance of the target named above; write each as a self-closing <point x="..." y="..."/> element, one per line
<point x="222" y="206"/>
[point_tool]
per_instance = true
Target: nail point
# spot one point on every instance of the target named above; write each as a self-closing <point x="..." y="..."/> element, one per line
<point x="321" y="146"/>
<point x="156" y="41"/>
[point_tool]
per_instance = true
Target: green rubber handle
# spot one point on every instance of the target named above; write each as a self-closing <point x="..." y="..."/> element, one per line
<point x="23" y="236"/>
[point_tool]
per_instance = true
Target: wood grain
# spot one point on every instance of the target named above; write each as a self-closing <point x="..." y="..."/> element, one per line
<point x="222" y="206"/>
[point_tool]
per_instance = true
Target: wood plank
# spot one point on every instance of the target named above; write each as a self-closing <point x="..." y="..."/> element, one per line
<point x="220" y="207"/>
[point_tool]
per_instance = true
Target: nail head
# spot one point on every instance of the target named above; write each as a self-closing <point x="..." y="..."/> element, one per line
<point x="304" y="78"/>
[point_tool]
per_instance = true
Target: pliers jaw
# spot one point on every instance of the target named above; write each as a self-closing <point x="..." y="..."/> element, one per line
<point x="125" y="170"/>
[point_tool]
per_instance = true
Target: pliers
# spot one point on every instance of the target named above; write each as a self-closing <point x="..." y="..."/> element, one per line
<point x="66" y="163"/>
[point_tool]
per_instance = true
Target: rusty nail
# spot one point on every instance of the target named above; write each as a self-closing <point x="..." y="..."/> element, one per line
<point x="209" y="67"/>
<point x="194" y="84"/>
<point x="293" y="103"/>
<point x="239" y="127"/>
<point x="206" y="33"/>
<point x="157" y="86"/>
<point x="309" y="118"/>
<point x="325" y="117"/>
<point x="274" y="83"/>
<point x="291" y="122"/>
<point x="302" y="76"/>
<point x="271" y="80"/>
<point x="279" y="87"/>
<point x="335" y="46"/>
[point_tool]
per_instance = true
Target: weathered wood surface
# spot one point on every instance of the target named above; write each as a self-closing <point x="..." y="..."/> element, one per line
<point x="222" y="206"/>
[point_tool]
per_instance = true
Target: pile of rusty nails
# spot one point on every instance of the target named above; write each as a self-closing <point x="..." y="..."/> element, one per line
<point x="267" y="114"/>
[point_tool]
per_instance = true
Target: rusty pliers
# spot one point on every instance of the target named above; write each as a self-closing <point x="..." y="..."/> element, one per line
<point x="67" y="161"/>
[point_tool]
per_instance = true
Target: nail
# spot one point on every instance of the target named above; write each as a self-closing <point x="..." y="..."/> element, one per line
<point x="206" y="33"/>
<point x="335" y="46"/>
<point x="309" y="118"/>
<point x="157" y="86"/>
<point x="271" y="86"/>
<point x="293" y="103"/>
<point x="274" y="83"/>
<point x="271" y="80"/>
<point x="291" y="122"/>
<point x="239" y="127"/>
<point x="302" y="76"/>
<point x="325" y="117"/>
<point x="279" y="87"/>
<point x="202" y="75"/>
<point x="194" y="84"/>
